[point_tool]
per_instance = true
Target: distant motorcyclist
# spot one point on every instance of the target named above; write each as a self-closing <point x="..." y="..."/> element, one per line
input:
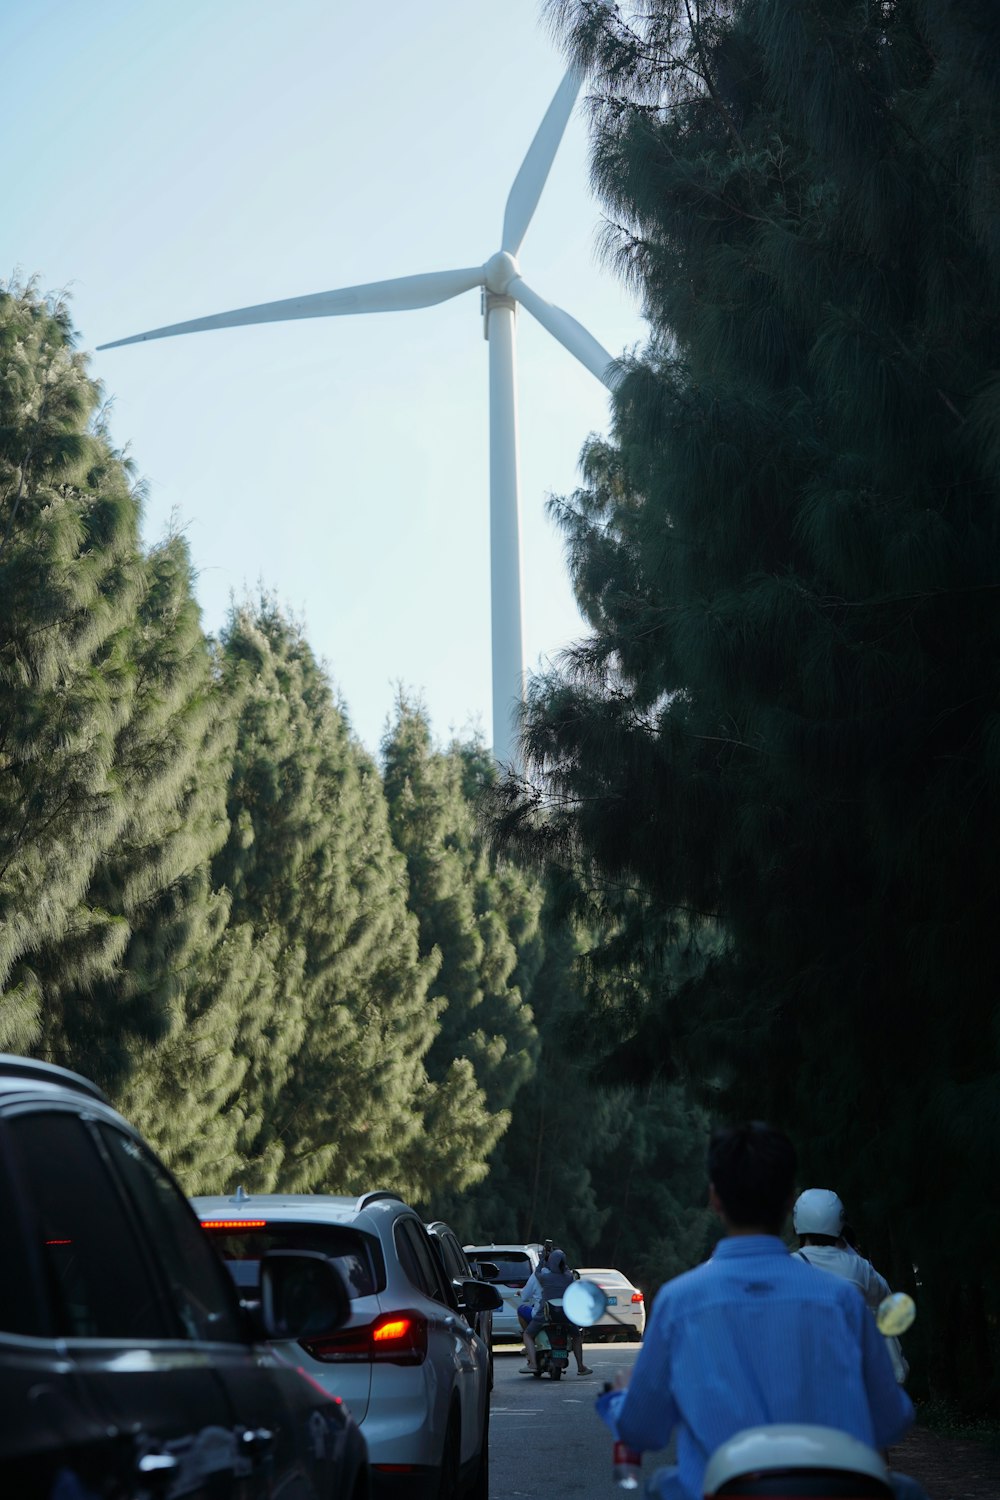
<point x="531" y="1292"/>
<point x="552" y="1279"/>
<point x="818" y="1219"/>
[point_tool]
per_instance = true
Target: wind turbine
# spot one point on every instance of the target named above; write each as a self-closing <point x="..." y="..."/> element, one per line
<point x="502" y="288"/>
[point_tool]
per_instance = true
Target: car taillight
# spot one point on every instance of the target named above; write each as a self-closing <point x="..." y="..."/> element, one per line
<point x="399" y="1338"/>
<point x="636" y="1296"/>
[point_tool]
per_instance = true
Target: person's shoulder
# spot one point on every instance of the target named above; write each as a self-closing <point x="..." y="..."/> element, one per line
<point x="687" y="1285"/>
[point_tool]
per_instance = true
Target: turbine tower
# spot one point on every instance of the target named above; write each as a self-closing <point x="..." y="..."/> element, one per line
<point x="502" y="288"/>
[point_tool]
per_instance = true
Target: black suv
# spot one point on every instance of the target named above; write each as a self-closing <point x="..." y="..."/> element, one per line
<point x="459" y="1269"/>
<point x="127" y="1365"/>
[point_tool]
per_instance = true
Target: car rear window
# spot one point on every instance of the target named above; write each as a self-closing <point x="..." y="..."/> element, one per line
<point x="512" y="1269"/>
<point x="356" y="1256"/>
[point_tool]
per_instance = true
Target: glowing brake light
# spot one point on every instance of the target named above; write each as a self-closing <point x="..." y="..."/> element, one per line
<point x="397" y="1328"/>
<point x="398" y="1338"/>
<point x="222" y="1224"/>
<point x="636" y="1296"/>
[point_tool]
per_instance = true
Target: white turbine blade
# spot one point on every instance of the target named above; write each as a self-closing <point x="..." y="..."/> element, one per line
<point x="571" y="334"/>
<point x="528" y="184"/>
<point x="373" y="297"/>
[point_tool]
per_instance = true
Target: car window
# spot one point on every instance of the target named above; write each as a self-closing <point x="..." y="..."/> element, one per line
<point x="419" y="1262"/>
<point x="354" y="1255"/>
<point x="513" y="1268"/>
<point x="455" y="1258"/>
<point x="201" y="1292"/>
<point x="22" y="1308"/>
<point x="95" y="1269"/>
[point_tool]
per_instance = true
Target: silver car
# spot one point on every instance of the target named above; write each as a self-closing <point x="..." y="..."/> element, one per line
<point x="510" y="1268"/>
<point x="411" y="1368"/>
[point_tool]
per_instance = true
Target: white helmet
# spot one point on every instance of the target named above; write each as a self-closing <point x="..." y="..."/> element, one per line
<point x="818" y="1211"/>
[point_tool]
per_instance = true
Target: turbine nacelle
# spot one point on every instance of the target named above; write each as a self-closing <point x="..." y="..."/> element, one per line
<point x="499" y="271"/>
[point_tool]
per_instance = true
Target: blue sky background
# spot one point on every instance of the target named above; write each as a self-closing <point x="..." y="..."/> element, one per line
<point x="169" y="160"/>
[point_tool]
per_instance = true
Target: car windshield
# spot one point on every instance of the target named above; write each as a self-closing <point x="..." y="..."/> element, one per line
<point x="351" y="1253"/>
<point x="513" y="1268"/>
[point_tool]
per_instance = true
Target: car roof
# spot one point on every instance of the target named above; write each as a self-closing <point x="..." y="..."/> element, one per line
<point x="325" y="1208"/>
<point x="505" y="1248"/>
<point x="20" y="1075"/>
<point x="602" y="1271"/>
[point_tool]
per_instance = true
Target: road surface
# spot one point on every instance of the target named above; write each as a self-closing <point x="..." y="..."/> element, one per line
<point x="545" y="1440"/>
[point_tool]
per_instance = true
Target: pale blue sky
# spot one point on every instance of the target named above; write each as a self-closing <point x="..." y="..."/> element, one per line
<point x="175" y="158"/>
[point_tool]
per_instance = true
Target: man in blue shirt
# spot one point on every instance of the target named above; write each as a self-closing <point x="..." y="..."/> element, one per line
<point x="754" y="1336"/>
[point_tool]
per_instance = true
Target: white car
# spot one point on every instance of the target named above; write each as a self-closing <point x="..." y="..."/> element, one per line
<point x="513" y="1265"/>
<point x="412" y="1370"/>
<point x="625" y="1316"/>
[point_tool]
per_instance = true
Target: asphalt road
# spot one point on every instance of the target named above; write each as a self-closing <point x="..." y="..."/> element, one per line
<point x="545" y="1439"/>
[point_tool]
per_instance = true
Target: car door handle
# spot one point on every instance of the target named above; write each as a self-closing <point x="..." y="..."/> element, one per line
<point x="257" y="1442"/>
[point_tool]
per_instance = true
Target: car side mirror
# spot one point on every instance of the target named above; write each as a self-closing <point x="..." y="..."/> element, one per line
<point x="488" y="1270"/>
<point x="301" y="1295"/>
<point x="478" y="1296"/>
<point x="584" y="1303"/>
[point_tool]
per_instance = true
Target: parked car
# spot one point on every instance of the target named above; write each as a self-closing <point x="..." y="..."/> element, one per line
<point x="511" y="1266"/>
<point x="128" y="1365"/>
<point x="413" y="1371"/>
<point x="459" y="1269"/>
<point x="625" y="1316"/>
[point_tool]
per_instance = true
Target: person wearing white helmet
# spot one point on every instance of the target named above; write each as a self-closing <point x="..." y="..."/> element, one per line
<point x="818" y="1219"/>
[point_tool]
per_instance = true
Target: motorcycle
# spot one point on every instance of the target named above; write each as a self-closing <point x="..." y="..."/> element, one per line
<point x="782" y="1459"/>
<point x="552" y="1343"/>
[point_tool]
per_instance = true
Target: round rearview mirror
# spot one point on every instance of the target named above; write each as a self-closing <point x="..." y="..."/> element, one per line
<point x="584" y="1303"/>
<point x="895" y="1314"/>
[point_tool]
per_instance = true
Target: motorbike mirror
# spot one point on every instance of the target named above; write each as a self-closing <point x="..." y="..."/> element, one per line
<point x="584" y="1303"/>
<point x="895" y="1314"/>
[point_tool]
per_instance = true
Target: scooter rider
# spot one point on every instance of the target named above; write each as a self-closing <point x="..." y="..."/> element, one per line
<point x="753" y="1337"/>
<point x="553" y="1278"/>
<point x="532" y="1291"/>
<point x="818" y="1219"/>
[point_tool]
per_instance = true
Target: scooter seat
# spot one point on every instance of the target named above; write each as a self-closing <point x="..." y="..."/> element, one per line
<point x="796" y="1462"/>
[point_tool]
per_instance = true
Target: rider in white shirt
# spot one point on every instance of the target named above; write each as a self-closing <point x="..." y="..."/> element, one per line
<point x="818" y="1219"/>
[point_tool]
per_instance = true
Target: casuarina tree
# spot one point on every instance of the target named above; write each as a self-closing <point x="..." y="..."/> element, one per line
<point x="336" y="1095"/>
<point x="71" y="578"/>
<point x="783" y="722"/>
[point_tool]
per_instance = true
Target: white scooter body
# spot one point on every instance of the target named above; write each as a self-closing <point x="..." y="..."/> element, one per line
<point x="796" y="1459"/>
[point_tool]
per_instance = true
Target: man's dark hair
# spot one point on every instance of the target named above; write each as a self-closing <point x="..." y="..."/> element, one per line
<point x="752" y="1168"/>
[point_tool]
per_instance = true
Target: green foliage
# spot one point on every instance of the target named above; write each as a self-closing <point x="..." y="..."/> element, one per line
<point x="482" y="923"/>
<point x="336" y="1095"/>
<point x="782" y="727"/>
<point x="70" y="580"/>
<point x="613" y="1173"/>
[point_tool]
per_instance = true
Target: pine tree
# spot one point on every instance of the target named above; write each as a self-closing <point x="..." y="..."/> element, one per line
<point x="482" y="923"/>
<point x="336" y="1095"/>
<point x="159" y="1031"/>
<point x="70" y="579"/>
<point x="783" y="722"/>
